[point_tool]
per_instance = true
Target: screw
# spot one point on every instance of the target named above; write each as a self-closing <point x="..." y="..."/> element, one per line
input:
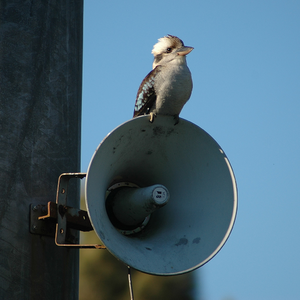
<point x="34" y="227"/>
<point x="35" y="208"/>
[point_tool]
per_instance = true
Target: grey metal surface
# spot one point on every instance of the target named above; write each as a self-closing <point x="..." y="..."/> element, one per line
<point x="200" y="214"/>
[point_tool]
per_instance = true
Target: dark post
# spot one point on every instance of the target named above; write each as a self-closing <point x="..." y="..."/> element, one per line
<point x="40" y="121"/>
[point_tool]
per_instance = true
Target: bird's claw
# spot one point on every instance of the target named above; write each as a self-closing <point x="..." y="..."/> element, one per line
<point x="176" y="118"/>
<point x="152" y="116"/>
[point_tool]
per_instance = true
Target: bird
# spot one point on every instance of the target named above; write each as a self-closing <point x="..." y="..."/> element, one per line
<point x="166" y="89"/>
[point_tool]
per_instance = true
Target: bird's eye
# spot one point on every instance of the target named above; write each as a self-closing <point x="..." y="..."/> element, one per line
<point x="169" y="50"/>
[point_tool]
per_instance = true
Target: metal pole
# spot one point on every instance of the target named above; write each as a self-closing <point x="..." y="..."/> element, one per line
<point x="40" y="121"/>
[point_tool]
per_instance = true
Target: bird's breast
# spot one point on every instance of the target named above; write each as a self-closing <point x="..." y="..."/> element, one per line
<point x="173" y="89"/>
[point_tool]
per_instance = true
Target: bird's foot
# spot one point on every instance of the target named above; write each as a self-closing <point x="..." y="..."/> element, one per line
<point x="176" y="118"/>
<point x="152" y="116"/>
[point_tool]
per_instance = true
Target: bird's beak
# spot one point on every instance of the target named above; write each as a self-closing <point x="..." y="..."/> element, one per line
<point x="184" y="50"/>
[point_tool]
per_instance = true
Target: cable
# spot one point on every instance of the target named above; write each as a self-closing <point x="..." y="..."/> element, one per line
<point x="130" y="283"/>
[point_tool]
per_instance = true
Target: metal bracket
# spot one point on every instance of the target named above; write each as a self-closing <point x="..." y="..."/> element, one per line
<point x="37" y="226"/>
<point x="44" y="217"/>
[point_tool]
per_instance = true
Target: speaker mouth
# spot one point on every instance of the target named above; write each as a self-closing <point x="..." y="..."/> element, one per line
<point x="192" y="228"/>
<point x="125" y="229"/>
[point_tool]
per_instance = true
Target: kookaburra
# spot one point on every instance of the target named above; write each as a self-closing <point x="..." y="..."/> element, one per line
<point x="166" y="89"/>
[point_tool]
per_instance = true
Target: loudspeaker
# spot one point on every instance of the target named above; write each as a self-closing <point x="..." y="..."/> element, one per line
<point x="186" y="162"/>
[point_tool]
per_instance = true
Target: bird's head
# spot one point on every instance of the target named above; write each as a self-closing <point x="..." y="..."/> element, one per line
<point x="169" y="48"/>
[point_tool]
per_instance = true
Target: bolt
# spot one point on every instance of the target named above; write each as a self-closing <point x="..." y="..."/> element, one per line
<point x="34" y="227"/>
<point x="35" y="208"/>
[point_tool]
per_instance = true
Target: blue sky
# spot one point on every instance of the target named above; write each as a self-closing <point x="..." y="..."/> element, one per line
<point x="246" y="72"/>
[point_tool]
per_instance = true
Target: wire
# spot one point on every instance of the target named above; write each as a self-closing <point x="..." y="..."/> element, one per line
<point x="130" y="283"/>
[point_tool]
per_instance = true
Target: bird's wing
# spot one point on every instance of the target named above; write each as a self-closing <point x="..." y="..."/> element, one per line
<point x="146" y="95"/>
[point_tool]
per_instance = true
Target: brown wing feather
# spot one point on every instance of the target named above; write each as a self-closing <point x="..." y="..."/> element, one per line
<point x="146" y="95"/>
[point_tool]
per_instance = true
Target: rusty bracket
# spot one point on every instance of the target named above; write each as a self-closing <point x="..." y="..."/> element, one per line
<point x="43" y="218"/>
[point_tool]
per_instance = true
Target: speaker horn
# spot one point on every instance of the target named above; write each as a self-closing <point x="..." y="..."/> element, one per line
<point x="189" y="227"/>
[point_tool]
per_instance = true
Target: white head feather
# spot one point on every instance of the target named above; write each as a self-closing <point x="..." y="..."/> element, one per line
<point x="165" y="42"/>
